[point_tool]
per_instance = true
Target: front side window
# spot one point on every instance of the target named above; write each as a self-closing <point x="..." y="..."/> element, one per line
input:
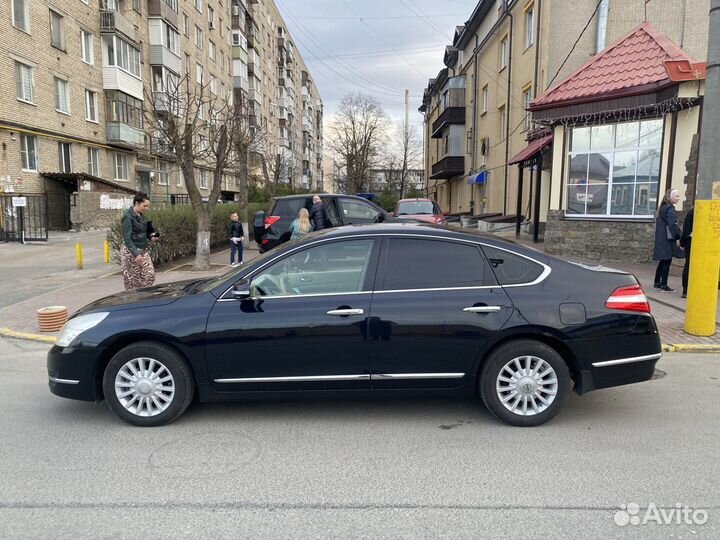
<point x="329" y="268"/>
<point x="503" y="53"/>
<point x="28" y="152"/>
<point x="357" y="210"/>
<point x="93" y="161"/>
<point x="614" y="169"/>
<point x="24" y="82"/>
<point x="57" y="30"/>
<point x="91" y="106"/>
<point x="86" y="44"/>
<point x="62" y="96"/>
<point x="418" y="263"/>
<point x="529" y="27"/>
<point x="121" y="166"/>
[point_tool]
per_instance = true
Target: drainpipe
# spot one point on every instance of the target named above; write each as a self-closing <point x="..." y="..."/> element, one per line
<point x="535" y="83"/>
<point x="507" y="106"/>
<point x="474" y="119"/>
<point x="602" y="26"/>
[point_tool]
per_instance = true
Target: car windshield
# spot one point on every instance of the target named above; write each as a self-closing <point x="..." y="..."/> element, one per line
<point x="415" y="207"/>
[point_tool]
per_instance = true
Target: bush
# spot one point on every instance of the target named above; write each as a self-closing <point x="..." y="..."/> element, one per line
<point x="178" y="229"/>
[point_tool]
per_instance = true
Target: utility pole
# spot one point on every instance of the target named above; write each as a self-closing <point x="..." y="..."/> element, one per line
<point x="407" y="112"/>
<point x="705" y="258"/>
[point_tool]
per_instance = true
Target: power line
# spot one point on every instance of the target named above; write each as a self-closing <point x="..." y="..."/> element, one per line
<point x="425" y="18"/>
<point x="356" y="17"/>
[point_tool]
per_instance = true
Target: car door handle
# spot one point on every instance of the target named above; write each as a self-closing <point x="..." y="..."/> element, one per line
<point x="345" y="312"/>
<point x="482" y="309"/>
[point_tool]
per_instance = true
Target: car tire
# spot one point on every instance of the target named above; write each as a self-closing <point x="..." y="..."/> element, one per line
<point x="148" y="384"/>
<point x="524" y="383"/>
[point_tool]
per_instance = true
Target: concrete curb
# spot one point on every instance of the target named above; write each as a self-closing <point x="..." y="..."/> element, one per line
<point x="7" y="332"/>
<point x="691" y="348"/>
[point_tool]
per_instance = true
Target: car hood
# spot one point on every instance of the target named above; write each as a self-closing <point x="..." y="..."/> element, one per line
<point x="157" y="295"/>
<point x="425" y="218"/>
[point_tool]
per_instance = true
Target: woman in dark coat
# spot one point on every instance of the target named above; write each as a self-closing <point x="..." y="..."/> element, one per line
<point x="666" y="224"/>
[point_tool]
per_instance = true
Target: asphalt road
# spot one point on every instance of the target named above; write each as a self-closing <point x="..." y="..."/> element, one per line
<point x="359" y="469"/>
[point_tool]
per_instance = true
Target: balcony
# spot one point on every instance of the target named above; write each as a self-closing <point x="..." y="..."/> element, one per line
<point x="160" y="147"/>
<point x="305" y="92"/>
<point x="307" y="124"/>
<point x="237" y="22"/>
<point x="254" y="95"/>
<point x="115" y="78"/>
<point x="124" y="135"/>
<point x="281" y="41"/>
<point x="450" y="116"/>
<point x="160" y="55"/>
<point x="241" y="82"/>
<point x="284" y="142"/>
<point x="161" y="101"/>
<point x="448" y="167"/>
<point x="112" y="22"/>
<point x="160" y="8"/>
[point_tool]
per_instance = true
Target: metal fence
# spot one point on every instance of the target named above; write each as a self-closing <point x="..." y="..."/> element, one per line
<point x="23" y="223"/>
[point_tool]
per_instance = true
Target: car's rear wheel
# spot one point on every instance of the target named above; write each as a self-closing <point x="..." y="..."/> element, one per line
<point x="524" y="383"/>
<point x="148" y="384"/>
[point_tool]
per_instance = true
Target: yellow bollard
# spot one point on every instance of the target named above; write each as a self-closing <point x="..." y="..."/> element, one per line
<point x="704" y="262"/>
<point x="78" y="251"/>
<point x="107" y="252"/>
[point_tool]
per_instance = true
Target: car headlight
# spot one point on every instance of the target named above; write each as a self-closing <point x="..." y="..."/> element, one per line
<point x="74" y="327"/>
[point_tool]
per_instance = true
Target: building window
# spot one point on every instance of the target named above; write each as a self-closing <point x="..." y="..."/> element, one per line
<point x="527" y="99"/>
<point x="502" y="121"/>
<point x="203" y="179"/>
<point x="123" y="55"/>
<point x="484" y="151"/>
<point x="57" y="30"/>
<point x="86" y="44"/>
<point x="163" y="174"/>
<point x="91" y="106"/>
<point x="173" y="4"/>
<point x="28" y="152"/>
<point x="121" y="166"/>
<point x="503" y="53"/>
<point x="24" y="82"/>
<point x="186" y="24"/>
<point x="198" y="5"/>
<point x="211" y="49"/>
<point x="188" y="64"/>
<point x="529" y="26"/>
<point x="222" y="60"/>
<point x="136" y="6"/>
<point x="211" y="18"/>
<point x="21" y="14"/>
<point x="198" y="37"/>
<point x="62" y="96"/>
<point x="222" y="28"/>
<point x="171" y="38"/>
<point x="213" y="85"/>
<point x="120" y="107"/>
<point x="485" y="99"/>
<point x="93" y="161"/>
<point x="64" y="157"/>
<point x="199" y="73"/>
<point x="614" y="169"/>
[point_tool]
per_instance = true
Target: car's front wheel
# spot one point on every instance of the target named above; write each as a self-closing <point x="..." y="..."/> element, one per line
<point x="148" y="384"/>
<point x="524" y="383"/>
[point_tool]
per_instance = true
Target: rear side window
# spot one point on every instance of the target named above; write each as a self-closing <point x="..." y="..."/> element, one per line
<point x="512" y="269"/>
<point x="434" y="264"/>
<point x="288" y="207"/>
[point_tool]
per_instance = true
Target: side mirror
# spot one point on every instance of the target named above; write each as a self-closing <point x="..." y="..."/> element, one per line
<point x="241" y="290"/>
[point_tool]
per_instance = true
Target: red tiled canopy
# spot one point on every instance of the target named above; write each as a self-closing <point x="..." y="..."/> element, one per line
<point x="632" y="65"/>
<point x="531" y="149"/>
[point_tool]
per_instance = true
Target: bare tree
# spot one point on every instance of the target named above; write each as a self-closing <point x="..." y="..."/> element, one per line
<point x="409" y="157"/>
<point x="356" y="136"/>
<point x="276" y="162"/>
<point x="205" y="132"/>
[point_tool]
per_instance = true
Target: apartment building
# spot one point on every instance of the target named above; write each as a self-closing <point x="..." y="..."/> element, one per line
<point x="284" y="102"/>
<point x="382" y="178"/>
<point x="80" y="76"/>
<point x="483" y="130"/>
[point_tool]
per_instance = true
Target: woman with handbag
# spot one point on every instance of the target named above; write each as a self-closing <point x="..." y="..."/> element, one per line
<point x="667" y="232"/>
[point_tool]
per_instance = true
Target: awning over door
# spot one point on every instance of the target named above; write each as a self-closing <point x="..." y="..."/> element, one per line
<point x="532" y="150"/>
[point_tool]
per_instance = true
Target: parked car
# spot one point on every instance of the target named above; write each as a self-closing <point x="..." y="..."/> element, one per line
<point x="274" y="229"/>
<point x="377" y="310"/>
<point x="425" y="210"/>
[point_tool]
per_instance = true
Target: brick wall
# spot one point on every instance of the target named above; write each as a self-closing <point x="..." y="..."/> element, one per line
<point x="97" y="210"/>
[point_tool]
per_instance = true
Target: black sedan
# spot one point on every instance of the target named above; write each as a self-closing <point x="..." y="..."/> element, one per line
<point x="382" y="309"/>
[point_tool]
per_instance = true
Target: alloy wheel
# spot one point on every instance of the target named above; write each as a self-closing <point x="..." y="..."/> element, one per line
<point x="527" y="385"/>
<point x="144" y="387"/>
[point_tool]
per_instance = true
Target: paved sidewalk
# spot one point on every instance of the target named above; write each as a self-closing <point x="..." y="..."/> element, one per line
<point x="668" y="308"/>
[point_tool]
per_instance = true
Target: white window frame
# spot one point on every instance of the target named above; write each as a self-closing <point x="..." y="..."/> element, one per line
<point x="212" y="50"/>
<point x="21" y="84"/>
<point x="502" y="111"/>
<point x="26" y="15"/>
<point x="91" y="106"/>
<point x="62" y="105"/>
<point x="93" y="161"/>
<point x="87" y="42"/>
<point x="198" y="37"/>
<point x="529" y="26"/>
<point x="198" y="5"/>
<point x="163" y="174"/>
<point x="213" y="85"/>
<point x="199" y="73"/>
<point x="203" y="179"/>
<point x="188" y="64"/>
<point x="61" y="29"/>
<point x="62" y="148"/>
<point x="170" y="38"/>
<point x="485" y="99"/>
<point x="27" y="153"/>
<point x="611" y="151"/>
<point x="211" y="17"/>
<point x="527" y="99"/>
<point x="186" y="24"/>
<point x="503" y="53"/>
<point x="121" y="165"/>
<point x="129" y="56"/>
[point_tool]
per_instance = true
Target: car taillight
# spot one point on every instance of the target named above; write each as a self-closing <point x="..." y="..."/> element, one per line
<point x="630" y="298"/>
<point x="439" y="219"/>
<point x="265" y="241"/>
<point x="271" y="220"/>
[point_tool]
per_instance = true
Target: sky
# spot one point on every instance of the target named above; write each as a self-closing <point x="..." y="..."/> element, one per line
<point x="377" y="47"/>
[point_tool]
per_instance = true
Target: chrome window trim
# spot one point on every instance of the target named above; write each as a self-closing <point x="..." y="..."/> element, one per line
<point x="63" y="381"/>
<point x="630" y="360"/>
<point x="314" y="378"/>
<point x="545" y="273"/>
<point x="406" y="376"/>
<point x="479" y="287"/>
<point x="286" y="296"/>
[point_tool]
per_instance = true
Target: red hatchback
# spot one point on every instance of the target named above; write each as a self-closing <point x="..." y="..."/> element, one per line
<point x="425" y="210"/>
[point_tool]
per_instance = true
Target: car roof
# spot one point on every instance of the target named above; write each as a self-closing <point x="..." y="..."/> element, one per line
<point x="321" y="195"/>
<point x="416" y="199"/>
